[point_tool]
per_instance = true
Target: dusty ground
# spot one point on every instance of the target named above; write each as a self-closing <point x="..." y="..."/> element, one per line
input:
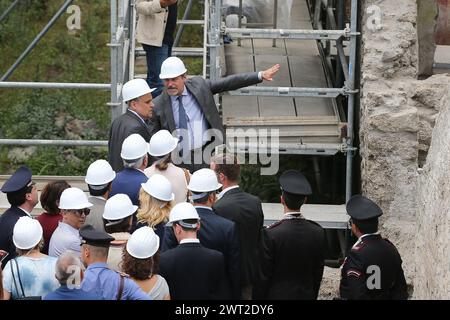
<point x="329" y="288"/>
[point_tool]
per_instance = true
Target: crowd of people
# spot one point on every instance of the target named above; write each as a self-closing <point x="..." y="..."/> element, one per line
<point x="211" y="246"/>
<point x="162" y="223"/>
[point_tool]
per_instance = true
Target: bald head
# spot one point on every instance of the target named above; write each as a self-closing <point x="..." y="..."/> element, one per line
<point x="68" y="265"/>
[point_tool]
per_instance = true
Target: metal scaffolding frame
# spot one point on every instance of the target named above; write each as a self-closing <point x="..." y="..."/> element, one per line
<point x="343" y="75"/>
<point x="122" y="35"/>
<point x="122" y="27"/>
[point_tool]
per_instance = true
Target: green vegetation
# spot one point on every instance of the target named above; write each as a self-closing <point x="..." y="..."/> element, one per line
<point x="58" y="57"/>
<point x="83" y="114"/>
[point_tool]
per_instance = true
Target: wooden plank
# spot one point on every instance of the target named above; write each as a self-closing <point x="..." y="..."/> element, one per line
<point x="307" y="71"/>
<point x="238" y="107"/>
<point x="264" y="47"/>
<point x="282" y="78"/>
<point x="315" y="107"/>
<point x="275" y="106"/>
<point x="246" y="47"/>
<point x="239" y="63"/>
<point x="281" y="121"/>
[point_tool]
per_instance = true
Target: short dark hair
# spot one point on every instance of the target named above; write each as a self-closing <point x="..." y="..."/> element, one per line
<point x="50" y="196"/>
<point x="228" y="165"/>
<point x="190" y="221"/>
<point x="139" y="269"/>
<point x="123" y="226"/>
<point x="18" y="198"/>
<point x="367" y="226"/>
<point x="293" y="201"/>
<point x="203" y="199"/>
<point x="100" y="192"/>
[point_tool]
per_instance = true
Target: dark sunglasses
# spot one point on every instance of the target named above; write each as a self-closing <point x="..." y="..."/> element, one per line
<point x="84" y="211"/>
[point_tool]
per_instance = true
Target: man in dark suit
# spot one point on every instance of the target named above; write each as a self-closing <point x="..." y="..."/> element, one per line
<point x="23" y="196"/>
<point x="192" y="271"/>
<point x="216" y="233"/>
<point x="293" y="249"/>
<point x="137" y="94"/>
<point x="245" y="210"/>
<point x="129" y="180"/>
<point x="188" y="105"/>
<point x="372" y="269"/>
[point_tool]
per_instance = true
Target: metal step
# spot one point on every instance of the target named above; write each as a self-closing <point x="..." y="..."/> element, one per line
<point x="328" y="216"/>
<point x="176" y="51"/>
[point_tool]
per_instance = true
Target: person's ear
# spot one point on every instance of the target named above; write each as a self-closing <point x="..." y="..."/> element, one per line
<point x="282" y="200"/>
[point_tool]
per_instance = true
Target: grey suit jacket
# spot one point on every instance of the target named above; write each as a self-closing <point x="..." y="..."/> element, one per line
<point x="203" y="91"/>
<point x="121" y="128"/>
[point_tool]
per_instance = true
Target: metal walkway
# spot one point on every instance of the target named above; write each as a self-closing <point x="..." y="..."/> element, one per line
<point x="307" y="125"/>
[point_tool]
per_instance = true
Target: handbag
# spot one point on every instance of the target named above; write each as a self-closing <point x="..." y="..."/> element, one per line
<point x="22" y="292"/>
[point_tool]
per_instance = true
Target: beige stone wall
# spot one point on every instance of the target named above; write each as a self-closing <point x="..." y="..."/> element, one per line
<point x="397" y="116"/>
<point x="432" y="279"/>
<point x="388" y="122"/>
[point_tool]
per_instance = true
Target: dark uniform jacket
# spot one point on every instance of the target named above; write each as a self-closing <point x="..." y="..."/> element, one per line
<point x="219" y="234"/>
<point x="194" y="272"/>
<point x="7" y="221"/>
<point x="292" y="260"/>
<point x="360" y="269"/>
<point x="246" y="211"/>
<point x="128" y="181"/>
<point x="121" y="128"/>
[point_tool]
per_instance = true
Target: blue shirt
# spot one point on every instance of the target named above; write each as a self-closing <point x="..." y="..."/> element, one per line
<point x="36" y="274"/>
<point x="196" y="121"/>
<point x="64" y="293"/>
<point x="100" y="280"/>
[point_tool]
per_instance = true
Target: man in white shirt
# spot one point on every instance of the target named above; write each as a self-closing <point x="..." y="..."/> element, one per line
<point x="74" y="207"/>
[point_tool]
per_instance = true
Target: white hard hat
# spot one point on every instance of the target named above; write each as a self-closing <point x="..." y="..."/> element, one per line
<point x="159" y="187"/>
<point x="27" y="233"/>
<point x="118" y="207"/>
<point x="143" y="243"/>
<point x="134" y="147"/>
<point x="172" y="67"/>
<point x="183" y="211"/>
<point x="73" y="199"/>
<point x="134" y="89"/>
<point x="162" y="143"/>
<point x="99" y="172"/>
<point x="204" y="180"/>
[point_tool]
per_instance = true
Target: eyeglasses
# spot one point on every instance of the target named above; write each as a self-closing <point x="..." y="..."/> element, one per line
<point x="84" y="211"/>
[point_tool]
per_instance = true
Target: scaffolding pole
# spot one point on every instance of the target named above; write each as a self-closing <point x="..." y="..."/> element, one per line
<point x="350" y="84"/>
<point x="8" y="10"/>
<point x="36" y="40"/>
<point x="55" y="85"/>
<point x="42" y="142"/>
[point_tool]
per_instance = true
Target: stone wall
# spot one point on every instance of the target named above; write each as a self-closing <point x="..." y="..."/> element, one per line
<point x="432" y="280"/>
<point x="397" y="117"/>
<point x="389" y="124"/>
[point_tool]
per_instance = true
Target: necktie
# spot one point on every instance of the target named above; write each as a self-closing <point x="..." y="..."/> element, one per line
<point x="182" y="124"/>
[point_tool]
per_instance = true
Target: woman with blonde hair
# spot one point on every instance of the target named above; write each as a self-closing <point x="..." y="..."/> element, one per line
<point x="161" y="146"/>
<point x="155" y="202"/>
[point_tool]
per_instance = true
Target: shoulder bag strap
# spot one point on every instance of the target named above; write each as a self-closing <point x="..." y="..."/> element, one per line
<point x="18" y="276"/>
<point x="121" y="285"/>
